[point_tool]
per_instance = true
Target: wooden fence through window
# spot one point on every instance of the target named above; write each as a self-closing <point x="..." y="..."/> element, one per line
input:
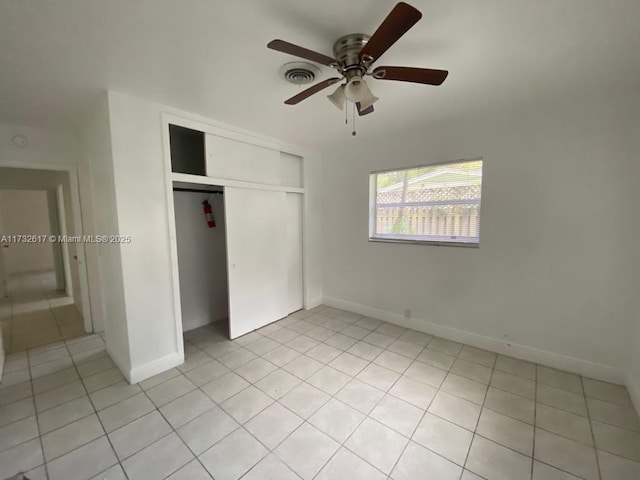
<point x="442" y="212"/>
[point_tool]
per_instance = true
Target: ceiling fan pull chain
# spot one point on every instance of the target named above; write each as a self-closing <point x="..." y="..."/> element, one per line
<point x="346" y="112"/>
<point x="354" y="120"/>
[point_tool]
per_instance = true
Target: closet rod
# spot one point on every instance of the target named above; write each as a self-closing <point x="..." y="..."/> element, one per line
<point x="196" y="190"/>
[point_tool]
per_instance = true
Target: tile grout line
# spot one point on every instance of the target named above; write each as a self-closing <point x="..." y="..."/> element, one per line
<point x="355" y="377"/>
<point x="370" y="362"/>
<point x="251" y="384"/>
<point x="35" y="407"/>
<point x="33" y="397"/>
<point x="95" y="412"/>
<point x="426" y="410"/>
<point x="535" y="420"/>
<point x="304" y="421"/>
<point x="174" y="430"/>
<point x="198" y="388"/>
<point x="302" y="381"/>
<point x="278" y="367"/>
<point x="593" y="437"/>
<point x="55" y="320"/>
<point x="475" y="430"/>
<point x="366" y="416"/>
<point x="301" y="353"/>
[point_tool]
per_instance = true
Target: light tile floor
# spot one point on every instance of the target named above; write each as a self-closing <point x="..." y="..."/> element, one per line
<point x="36" y="314"/>
<point x="322" y="394"/>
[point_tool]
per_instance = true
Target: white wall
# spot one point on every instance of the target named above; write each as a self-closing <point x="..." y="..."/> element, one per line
<point x="26" y="212"/>
<point x="313" y="221"/>
<point x="633" y="371"/>
<point x="633" y="379"/>
<point x="552" y="276"/>
<point x="97" y="146"/>
<point x="202" y="257"/>
<point x="141" y="211"/>
<point x="141" y="204"/>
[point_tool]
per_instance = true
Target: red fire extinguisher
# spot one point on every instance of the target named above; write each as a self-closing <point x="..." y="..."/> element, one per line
<point x="208" y="214"/>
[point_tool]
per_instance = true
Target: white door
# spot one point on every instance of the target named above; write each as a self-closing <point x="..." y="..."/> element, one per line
<point x="294" y="251"/>
<point x="257" y="258"/>
<point x="66" y="257"/>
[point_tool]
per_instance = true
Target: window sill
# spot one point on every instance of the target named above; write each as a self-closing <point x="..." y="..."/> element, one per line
<point x="438" y="243"/>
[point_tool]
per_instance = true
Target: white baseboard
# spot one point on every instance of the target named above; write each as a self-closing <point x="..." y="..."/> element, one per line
<point x="523" y="352"/>
<point x="148" y="370"/>
<point x="124" y="368"/>
<point x="313" y="302"/>
<point x="633" y="385"/>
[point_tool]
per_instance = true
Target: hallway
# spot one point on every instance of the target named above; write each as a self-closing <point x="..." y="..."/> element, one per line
<point x="35" y="314"/>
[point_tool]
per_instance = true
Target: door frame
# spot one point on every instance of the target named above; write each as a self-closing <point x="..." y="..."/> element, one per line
<point x="64" y="247"/>
<point x="76" y="217"/>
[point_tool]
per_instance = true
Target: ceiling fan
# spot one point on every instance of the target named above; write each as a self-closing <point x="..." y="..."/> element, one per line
<point x="354" y="55"/>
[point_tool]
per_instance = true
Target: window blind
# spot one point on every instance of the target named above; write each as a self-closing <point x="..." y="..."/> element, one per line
<point x="432" y="203"/>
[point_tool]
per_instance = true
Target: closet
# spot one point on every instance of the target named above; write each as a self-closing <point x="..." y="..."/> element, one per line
<point x="248" y="268"/>
<point x="202" y="256"/>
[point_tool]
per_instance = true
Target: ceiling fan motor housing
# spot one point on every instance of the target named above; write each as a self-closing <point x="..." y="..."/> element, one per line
<point x="346" y="51"/>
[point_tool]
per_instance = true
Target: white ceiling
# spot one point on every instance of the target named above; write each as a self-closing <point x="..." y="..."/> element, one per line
<point x="209" y="57"/>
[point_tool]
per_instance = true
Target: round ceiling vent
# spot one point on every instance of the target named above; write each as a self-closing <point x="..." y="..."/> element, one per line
<point x="299" y="73"/>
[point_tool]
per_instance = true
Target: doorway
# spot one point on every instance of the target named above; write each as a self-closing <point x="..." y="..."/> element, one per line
<point x="40" y="277"/>
<point x="245" y="270"/>
<point x="31" y="263"/>
<point x="202" y="257"/>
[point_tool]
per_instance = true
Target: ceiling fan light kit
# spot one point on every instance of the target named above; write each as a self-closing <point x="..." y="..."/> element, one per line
<point x="338" y="98"/>
<point x="353" y="56"/>
<point x="357" y="91"/>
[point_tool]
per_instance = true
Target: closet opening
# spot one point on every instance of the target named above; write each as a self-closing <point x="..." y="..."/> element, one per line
<point x="202" y="259"/>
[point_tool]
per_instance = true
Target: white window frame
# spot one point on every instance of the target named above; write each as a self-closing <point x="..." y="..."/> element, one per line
<point x="393" y="238"/>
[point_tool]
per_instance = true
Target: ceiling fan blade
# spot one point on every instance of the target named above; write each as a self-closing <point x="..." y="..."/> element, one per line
<point x="365" y="111"/>
<point x="409" y="74"/>
<point x="310" y="91"/>
<point x="398" y="22"/>
<point x="291" y="49"/>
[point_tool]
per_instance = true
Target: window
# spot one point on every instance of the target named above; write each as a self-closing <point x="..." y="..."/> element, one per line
<point x="432" y="204"/>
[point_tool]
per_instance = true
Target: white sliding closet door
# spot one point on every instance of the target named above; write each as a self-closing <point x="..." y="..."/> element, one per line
<point x="257" y="258"/>
<point x="294" y="251"/>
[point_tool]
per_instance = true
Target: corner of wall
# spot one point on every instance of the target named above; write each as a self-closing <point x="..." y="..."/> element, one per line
<point x="108" y="271"/>
<point x="633" y="386"/>
<point x="148" y="370"/>
<point x="633" y="372"/>
<point x="313" y="246"/>
<point x="142" y="372"/>
<point x="122" y="363"/>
